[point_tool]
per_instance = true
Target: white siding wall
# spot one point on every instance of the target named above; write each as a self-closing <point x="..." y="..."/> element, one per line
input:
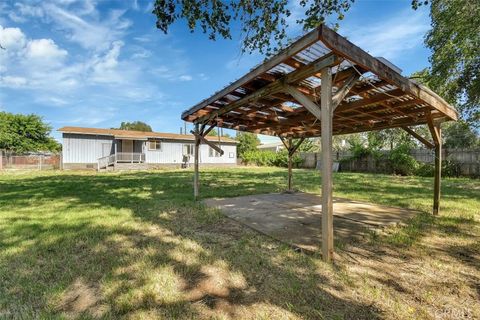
<point x="227" y="149"/>
<point x="82" y="148"/>
<point x="172" y="152"/>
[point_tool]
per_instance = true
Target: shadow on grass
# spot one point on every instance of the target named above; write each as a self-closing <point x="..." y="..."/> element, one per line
<point x="153" y="253"/>
<point x="156" y="253"/>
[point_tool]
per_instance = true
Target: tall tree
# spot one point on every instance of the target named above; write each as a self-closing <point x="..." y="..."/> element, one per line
<point x="263" y="23"/>
<point x="458" y="135"/>
<point x="135" y="126"/>
<point x="246" y="142"/>
<point x="455" y="61"/>
<point x="23" y="133"/>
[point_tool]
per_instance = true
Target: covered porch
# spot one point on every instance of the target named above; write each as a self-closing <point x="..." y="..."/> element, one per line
<point x="123" y="150"/>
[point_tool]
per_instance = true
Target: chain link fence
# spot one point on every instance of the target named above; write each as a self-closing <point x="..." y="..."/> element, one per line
<point x="12" y="161"/>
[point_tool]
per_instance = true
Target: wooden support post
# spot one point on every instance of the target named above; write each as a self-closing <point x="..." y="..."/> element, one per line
<point x="290" y="155"/>
<point x="326" y="131"/>
<point x="196" y="176"/>
<point x="438" y="172"/>
<point x="291" y="148"/>
<point x="436" y="132"/>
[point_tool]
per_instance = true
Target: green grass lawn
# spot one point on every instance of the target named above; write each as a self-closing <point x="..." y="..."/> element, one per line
<point x="134" y="245"/>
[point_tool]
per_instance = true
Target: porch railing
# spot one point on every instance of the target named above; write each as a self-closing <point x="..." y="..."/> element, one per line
<point x="106" y="161"/>
<point x="132" y="157"/>
<point x="124" y="157"/>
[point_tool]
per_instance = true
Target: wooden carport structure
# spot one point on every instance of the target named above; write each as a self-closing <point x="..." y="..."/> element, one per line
<point x="322" y="85"/>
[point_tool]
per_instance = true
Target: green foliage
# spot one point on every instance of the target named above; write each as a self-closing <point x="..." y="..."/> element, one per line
<point x="401" y="161"/>
<point x="362" y="148"/>
<point x="308" y="145"/>
<point x="269" y="158"/>
<point x="455" y="62"/>
<point x="458" y="135"/>
<point x="213" y="133"/>
<point x="263" y="23"/>
<point x="135" y="126"/>
<point x="450" y="168"/>
<point x="246" y="142"/>
<point x="23" y="133"/>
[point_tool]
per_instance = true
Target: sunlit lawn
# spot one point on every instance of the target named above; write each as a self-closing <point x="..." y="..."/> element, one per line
<point x="135" y="245"/>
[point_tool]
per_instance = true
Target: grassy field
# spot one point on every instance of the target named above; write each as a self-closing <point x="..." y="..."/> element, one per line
<point x="135" y="245"/>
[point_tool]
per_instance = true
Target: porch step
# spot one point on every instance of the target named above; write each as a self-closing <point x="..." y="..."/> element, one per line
<point x="109" y="168"/>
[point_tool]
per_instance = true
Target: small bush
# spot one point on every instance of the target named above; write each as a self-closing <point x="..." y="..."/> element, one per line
<point x="425" y="170"/>
<point x="269" y="158"/>
<point x="450" y="168"/>
<point x="401" y="161"/>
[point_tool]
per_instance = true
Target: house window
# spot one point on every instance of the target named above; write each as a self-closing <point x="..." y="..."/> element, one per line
<point x="213" y="153"/>
<point x="188" y="149"/>
<point x="154" y="145"/>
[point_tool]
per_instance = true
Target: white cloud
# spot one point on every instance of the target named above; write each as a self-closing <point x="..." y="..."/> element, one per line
<point x="13" y="81"/>
<point x="24" y="11"/>
<point x="185" y="77"/>
<point x="44" y="49"/>
<point x="392" y="37"/>
<point x="104" y="67"/>
<point x="142" y="54"/>
<point x="80" y="20"/>
<point x="12" y="39"/>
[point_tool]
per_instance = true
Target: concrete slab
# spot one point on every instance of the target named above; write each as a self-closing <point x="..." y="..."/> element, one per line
<point x="296" y="218"/>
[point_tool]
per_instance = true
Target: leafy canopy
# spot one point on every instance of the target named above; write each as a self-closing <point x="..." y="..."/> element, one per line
<point x="246" y="142"/>
<point x="263" y="23"/>
<point x="455" y="61"/>
<point x="25" y="133"/>
<point x="135" y="126"/>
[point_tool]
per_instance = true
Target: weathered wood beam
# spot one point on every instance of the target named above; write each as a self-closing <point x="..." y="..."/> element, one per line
<point x="327" y="201"/>
<point x="299" y="45"/>
<point x="345" y="48"/>
<point x="206" y="132"/>
<point x="196" y="175"/>
<point x="435" y="132"/>
<point x="427" y="143"/>
<point x="327" y="60"/>
<point x="304" y="101"/>
<point x="369" y="101"/>
<point x="205" y="141"/>
<point x="438" y="171"/>
<point x="344" y="90"/>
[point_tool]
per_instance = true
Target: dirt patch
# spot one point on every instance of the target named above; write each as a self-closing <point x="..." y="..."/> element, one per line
<point x="82" y="298"/>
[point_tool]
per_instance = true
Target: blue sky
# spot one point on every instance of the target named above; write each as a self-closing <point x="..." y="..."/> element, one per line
<point x="98" y="63"/>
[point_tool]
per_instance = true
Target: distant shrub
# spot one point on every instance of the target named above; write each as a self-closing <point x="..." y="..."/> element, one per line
<point x="402" y="162"/>
<point x="269" y="158"/>
<point x="424" y="170"/>
<point x="450" y="168"/>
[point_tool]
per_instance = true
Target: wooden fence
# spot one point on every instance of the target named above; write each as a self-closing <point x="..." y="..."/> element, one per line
<point x="467" y="161"/>
<point x="36" y="162"/>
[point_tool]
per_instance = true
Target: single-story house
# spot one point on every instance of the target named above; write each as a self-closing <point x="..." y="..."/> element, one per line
<point x="92" y="148"/>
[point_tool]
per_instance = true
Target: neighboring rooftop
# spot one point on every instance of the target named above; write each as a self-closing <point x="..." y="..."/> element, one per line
<point x="138" y="134"/>
<point x="270" y="145"/>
